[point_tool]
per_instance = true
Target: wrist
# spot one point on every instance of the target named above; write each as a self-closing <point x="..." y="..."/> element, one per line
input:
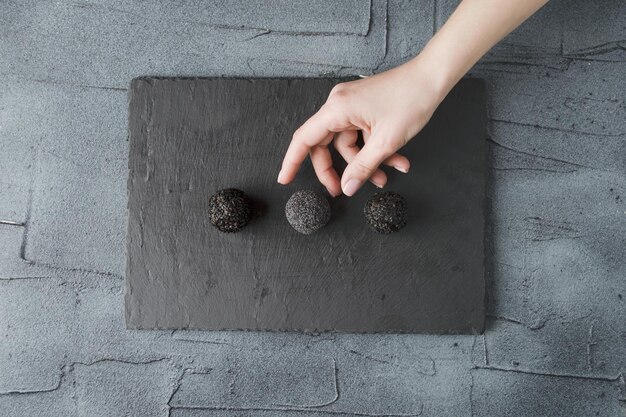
<point x="431" y="79"/>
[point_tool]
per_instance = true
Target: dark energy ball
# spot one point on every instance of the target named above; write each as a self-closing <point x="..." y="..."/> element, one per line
<point x="386" y="212"/>
<point x="307" y="211"/>
<point x="230" y="210"/>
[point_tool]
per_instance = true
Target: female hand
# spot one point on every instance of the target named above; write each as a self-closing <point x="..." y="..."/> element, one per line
<point x="388" y="108"/>
<point x="391" y="107"/>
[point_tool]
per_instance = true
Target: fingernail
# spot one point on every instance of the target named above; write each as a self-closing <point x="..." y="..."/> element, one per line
<point x="377" y="184"/>
<point x="280" y="177"/>
<point x="352" y="186"/>
<point x="332" y="194"/>
<point x="402" y="170"/>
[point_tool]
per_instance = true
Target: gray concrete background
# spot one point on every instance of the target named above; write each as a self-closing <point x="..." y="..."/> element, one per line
<point x="555" y="342"/>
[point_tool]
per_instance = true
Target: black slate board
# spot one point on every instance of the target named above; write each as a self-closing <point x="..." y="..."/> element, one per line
<point x="191" y="137"/>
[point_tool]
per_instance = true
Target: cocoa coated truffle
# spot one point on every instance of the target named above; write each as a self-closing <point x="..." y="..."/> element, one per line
<point x="307" y="211"/>
<point x="386" y="212"/>
<point x="230" y="210"/>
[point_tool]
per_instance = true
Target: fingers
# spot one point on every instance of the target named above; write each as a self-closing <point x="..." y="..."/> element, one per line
<point x="345" y="143"/>
<point x="363" y="166"/>
<point x="313" y="132"/>
<point x="323" y="166"/>
<point x="396" y="160"/>
<point x="399" y="162"/>
<point x="313" y="137"/>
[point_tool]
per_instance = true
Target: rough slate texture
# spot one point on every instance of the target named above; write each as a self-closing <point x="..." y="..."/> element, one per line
<point x="554" y="342"/>
<point x="191" y="137"/>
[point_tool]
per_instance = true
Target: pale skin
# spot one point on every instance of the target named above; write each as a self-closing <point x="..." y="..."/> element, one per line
<point x="390" y="108"/>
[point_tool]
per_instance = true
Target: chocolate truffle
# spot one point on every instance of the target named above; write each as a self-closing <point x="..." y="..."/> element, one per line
<point x="386" y="212"/>
<point x="230" y="210"/>
<point x="307" y="211"/>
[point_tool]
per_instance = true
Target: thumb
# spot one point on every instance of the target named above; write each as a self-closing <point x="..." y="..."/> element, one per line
<point x="363" y="166"/>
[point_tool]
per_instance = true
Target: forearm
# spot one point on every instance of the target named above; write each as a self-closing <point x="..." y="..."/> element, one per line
<point x="390" y="108"/>
<point x="474" y="28"/>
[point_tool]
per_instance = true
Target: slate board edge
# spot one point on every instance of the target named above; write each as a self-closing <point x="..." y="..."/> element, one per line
<point x="481" y="83"/>
<point x="251" y="79"/>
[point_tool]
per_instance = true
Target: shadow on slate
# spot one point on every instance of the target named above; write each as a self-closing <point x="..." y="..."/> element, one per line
<point x="192" y="137"/>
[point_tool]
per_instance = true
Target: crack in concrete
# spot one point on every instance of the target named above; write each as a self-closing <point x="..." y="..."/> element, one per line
<point x="61" y="268"/>
<point x="124" y="361"/>
<point x="537" y="126"/>
<point x="485" y="360"/>
<point x="547" y="230"/>
<point x="354" y="352"/>
<point x="55" y="82"/>
<point x="370" y="18"/>
<point x="386" y="40"/>
<point x="537" y="325"/>
<point x="556" y="238"/>
<point x="264" y="32"/>
<point x="504" y="318"/>
<point x="29" y="208"/>
<point x="244" y="28"/>
<point x="590" y="344"/>
<point x="522" y="64"/>
<point x="66" y="369"/>
<point x="12" y="223"/>
<point x="24" y="278"/>
<point x="250" y="67"/>
<point x="551" y="171"/>
<point x="431" y="371"/>
<point x="585" y="59"/>
<point x="261" y="33"/>
<point x="474" y="354"/>
<point x="548" y="158"/>
<point x="299" y="410"/>
<point x="614" y="378"/>
<point x="178" y="383"/>
<point x="485" y="352"/>
<point x="471" y="394"/>
<point x="99" y="87"/>
<point x="62" y="375"/>
<point x="600" y="49"/>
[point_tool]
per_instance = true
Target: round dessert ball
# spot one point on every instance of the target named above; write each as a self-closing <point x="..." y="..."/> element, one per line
<point x="230" y="210"/>
<point x="386" y="212"/>
<point x="307" y="211"/>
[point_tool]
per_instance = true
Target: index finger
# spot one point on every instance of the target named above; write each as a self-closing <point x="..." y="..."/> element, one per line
<point x="315" y="131"/>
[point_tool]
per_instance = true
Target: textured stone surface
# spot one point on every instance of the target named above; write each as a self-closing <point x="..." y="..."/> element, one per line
<point x="267" y="380"/>
<point x="555" y="219"/>
<point x="498" y="393"/>
<point x="78" y="208"/>
<point x="411" y="27"/>
<point x="124" y="45"/>
<point x="34" y="342"/>
<point x="300" y="17"/>
<point x="12" y="263"/>
<point x="269" y="277"/>
<point x="19" y="112"/>
<point x="366" y="367"/>
<point x="595" y="31"/>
